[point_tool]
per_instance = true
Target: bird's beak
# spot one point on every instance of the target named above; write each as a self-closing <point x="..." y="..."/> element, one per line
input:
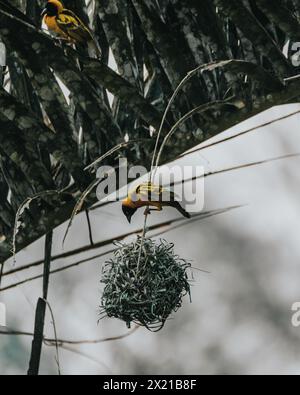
<point x="129" y="219"/>
<point x="44" y="12"/>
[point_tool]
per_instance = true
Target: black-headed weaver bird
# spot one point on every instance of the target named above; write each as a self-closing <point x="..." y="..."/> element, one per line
<point x="150" y="195"/>
<point x="66" y="24"/>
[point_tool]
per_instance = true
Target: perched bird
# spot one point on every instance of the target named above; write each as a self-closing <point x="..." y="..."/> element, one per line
<point x="66" y="24"/>
<point x="150" y="195"/>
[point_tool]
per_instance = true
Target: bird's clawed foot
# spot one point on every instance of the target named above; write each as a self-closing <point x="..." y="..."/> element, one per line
<point x="147" y="211"/>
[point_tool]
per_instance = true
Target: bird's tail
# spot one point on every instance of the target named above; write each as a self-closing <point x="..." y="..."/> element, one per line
<point x="182" y="211"/>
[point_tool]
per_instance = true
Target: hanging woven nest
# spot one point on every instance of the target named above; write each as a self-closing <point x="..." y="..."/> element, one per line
<point x="145" y="283"/>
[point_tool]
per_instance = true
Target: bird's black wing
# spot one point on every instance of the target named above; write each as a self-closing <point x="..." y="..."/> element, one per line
<point x="73" y="27"/>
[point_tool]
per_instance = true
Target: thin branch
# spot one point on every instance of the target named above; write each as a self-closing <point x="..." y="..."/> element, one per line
<point x="1" y="272"/>
<point x="88" y="219"/>
<point x="256" y="128"/>
<point x="79" y="206"/>
<point x="115" y="149"/>
<point x="50" y="342"/>
<point x="55" y="341"/>
<point x="87" y="356"/>
<point x="36" y="350"/>
<point x="61" y="342"/>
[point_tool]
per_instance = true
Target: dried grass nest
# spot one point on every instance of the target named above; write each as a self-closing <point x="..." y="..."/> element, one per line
<point x="145" y="283"/>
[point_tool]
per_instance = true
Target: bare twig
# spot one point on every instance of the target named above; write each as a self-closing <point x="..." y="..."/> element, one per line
<point x="1" y="272"/>
<point x="87" y="213"/>
<point x="79" y="206"/>
<point x="242" y="133"/>
<point x="113" y="150"/>
<point x="37" y="342"/>
<point x="55" y="342"/>
<point x="61" y="342"/>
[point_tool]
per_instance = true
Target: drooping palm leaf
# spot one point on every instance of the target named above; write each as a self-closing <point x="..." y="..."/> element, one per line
<point x="55" y="116"/>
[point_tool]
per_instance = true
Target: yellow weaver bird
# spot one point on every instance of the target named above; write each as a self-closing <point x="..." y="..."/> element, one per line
<point x="150" y="195"/>
<point x="66" y="24"/>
